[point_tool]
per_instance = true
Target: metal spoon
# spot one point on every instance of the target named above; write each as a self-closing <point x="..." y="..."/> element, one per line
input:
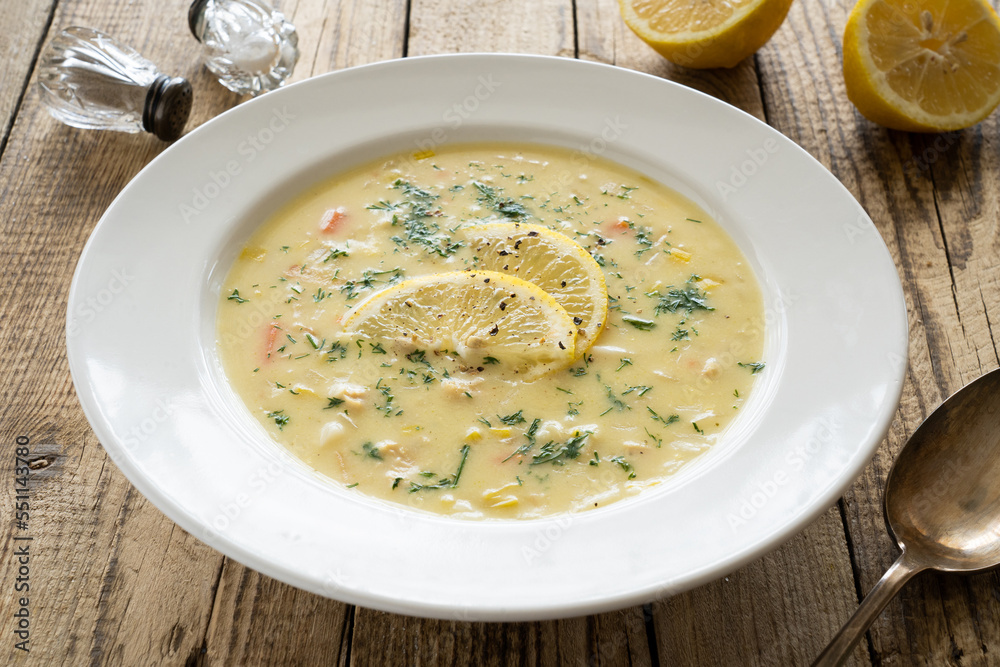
<point x="942" y="502"/>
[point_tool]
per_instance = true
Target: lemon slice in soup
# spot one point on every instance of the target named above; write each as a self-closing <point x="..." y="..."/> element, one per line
<point x="476" y="315"/>
<point x="554" y="262"/>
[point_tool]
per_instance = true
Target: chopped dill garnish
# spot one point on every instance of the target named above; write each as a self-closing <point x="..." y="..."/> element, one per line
<point x="624" y="465"/>
<point x="753" y="366"/>
<point x="280" y="419"/>
<point x="235" y="296"/>
<point x="638" y="322"/>
<point x="505" y="206"/>
<point x="444" y="482"/>
<point x="372" y="451"/>
<point x="688" y="299"/>
<point x="514" y="419"/>
<point x="667" y="421"/>
<point x="557" y="454"/>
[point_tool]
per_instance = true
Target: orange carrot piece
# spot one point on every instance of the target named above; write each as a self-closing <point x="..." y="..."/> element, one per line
<point x="620" y="225"/>
<point x="332" y="218"/>
<point x="271" y="337"/>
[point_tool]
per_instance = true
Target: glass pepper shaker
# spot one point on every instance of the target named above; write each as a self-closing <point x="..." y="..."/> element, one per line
<point x="247" y="44"/>
<point x="90" y="80"/>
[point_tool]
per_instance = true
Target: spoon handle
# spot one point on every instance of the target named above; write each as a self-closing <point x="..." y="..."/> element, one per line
<point x="840" y="647"/>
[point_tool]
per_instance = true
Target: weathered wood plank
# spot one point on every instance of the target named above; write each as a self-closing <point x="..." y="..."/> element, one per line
<point x="779" y="610"/>
<point x="543" y="27"/>
<point x="115" y="581"/>
<point x="22" y="28"/>
<point x="257" y="620"/>
<point x="334" y="34"/>
<point x="111" y="578"/>
<point x="950" y="339"/>
<point x="602" y="36"/>
<point x="617" y="638"/>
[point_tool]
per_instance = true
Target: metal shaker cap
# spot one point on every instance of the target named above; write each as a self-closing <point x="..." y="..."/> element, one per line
<point x="168" y="105"/>
<point x="196" y="12"/>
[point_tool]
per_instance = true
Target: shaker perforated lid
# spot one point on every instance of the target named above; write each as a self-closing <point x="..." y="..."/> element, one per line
<point x="168" y="105"/>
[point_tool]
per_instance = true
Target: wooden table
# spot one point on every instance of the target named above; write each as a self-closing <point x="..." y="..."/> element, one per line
<point x="114" y="581"/>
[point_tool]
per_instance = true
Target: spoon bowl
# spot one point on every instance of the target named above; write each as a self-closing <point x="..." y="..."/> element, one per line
<point x="942" y="502"/>
<point x="942" y="498"/>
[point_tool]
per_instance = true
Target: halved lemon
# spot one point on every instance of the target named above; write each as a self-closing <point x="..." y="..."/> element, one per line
<point x="704" y="33"/>
<point x="923" y="65"/>
<point x="474" y="315"/>
<point x="554" y="262"/>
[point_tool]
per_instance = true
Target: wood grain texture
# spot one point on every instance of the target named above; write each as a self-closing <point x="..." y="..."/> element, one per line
<point x="779" y="610"/>
<point x="112" y="579"/>
<point x="115" y="582"/>
<point x="543" y="27"/>
<point x="602" y="36"/>
<point x="22" y="28"/>
<point x="617" y="638"/>
<point x="934" y="203"/>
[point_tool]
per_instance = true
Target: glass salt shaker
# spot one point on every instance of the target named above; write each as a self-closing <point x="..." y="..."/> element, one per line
<point x="89" y="80"/>
<point x="247" y="44"/>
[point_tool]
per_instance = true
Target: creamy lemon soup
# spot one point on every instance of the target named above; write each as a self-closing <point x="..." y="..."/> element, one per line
<point x="492" y="330"/>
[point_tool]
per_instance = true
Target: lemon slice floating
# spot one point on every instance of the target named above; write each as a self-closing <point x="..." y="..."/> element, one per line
<point x="474" y="315"/>
<point x="922" y="65"/>
<point x="554" y="262"/>
<point x="707" y="33"/>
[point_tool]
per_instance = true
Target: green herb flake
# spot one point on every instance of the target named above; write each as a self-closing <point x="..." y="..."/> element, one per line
<point x="280" y="419"/>
<point x="514" y="419"/>
<point x="315" y="342"/>
<point x="372" y="451"/>
<point x="505" y="206"/>
<point x="334" y="254"/>
<point x="753" y="366"/>
<point x="666" y="421"/>
<point x="235" y="296"/>
<point x="555" y="454"/>
<point x="638" y="322"/>
<point x="624" y="465"/>
<point x="688" y="299"/>
<point x="445" y="482"/>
